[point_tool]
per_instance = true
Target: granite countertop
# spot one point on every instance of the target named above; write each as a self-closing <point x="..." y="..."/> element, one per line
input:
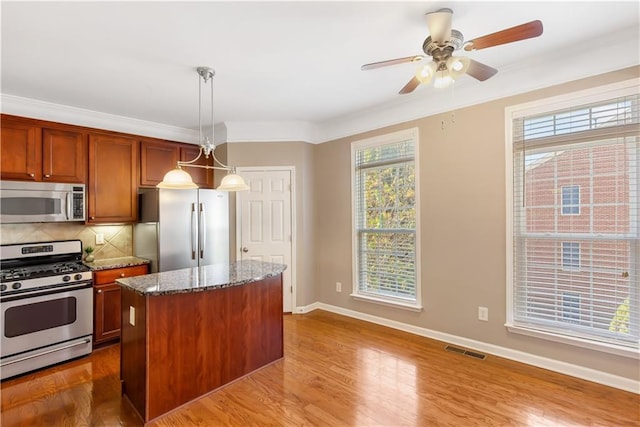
<point x="198" y="279"/>
<point x="109" y="263"/>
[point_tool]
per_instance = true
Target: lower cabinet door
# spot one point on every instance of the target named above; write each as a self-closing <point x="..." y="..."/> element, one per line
<point x="107" y="312"/>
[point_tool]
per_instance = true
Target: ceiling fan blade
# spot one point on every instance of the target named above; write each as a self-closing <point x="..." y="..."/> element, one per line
<point x="480" y="71"/>
<point x="520" y="32"/>
<point x="410" y="87"/>
<point x="439" y="25"/>
<point x="380" y="64"/>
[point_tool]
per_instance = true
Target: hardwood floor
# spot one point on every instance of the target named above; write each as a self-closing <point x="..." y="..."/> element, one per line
<point x="337" y="371"/>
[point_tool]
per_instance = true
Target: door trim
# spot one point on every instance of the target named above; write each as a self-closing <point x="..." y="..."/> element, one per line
<point x="292" y="267"/>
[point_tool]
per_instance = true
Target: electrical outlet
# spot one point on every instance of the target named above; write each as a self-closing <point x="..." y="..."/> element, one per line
<point x="132" y="315"/>
<point x="483" y="314"/>
<point x="338" y="287"/>
<point x="99" y="239"/>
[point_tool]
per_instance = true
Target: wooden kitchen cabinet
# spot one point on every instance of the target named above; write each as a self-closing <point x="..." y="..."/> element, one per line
<point x="156" y="159"/>
<point x="113" y="179"/>
<point x="106" y="298"/>
<point x="30" y="152"/>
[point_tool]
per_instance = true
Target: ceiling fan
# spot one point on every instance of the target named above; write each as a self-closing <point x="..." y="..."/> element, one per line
<point x="443" y="41"/>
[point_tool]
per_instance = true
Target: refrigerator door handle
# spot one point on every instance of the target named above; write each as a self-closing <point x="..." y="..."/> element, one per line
<point x="193" y="230"/>
<point x="203" y="227"/>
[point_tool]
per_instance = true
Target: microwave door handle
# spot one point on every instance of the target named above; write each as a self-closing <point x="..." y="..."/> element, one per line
<point x="69" y="207"/>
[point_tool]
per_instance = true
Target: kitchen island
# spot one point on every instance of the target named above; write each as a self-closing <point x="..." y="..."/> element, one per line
<point x="188" y="332"/>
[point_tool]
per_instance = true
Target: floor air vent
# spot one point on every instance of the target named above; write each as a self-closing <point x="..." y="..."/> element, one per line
<point x="465" y="352"/>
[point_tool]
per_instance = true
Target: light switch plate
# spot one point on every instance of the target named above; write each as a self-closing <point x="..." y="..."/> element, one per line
<point x="132" y="316"/>
<point x="99" y="239"/>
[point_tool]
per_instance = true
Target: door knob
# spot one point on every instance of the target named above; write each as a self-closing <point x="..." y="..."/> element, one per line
<point x="245" y="249"/>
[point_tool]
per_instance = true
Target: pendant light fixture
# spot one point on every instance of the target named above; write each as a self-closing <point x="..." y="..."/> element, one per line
<point x="179" y="178"/>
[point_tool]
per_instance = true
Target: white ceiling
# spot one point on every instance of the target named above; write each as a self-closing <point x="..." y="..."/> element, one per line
<point x="293" y="65"/>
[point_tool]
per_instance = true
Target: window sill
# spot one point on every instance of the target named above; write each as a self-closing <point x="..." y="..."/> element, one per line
<point x="576" y="341"/>
<point x="395" y="304"/>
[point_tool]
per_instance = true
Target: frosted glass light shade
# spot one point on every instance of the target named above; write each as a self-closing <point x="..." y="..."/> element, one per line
<point x="426" y="72"/>
<point x="443" y="79"/>
<point x="232" y="182"/>
<point x="177" y="179"/>
<point x="457" y="66"/>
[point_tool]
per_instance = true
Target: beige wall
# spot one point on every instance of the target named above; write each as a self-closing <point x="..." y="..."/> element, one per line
<point x="463" y="216"/>
<point x="299" y="155"/>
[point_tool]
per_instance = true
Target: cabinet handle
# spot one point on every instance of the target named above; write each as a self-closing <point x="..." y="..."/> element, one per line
<point x="31" y="175"/>
<point x="47" y="176"/>
<point x="92" y="217"/>
<point x="99" y="291"/>
<point x="121" y="274"/>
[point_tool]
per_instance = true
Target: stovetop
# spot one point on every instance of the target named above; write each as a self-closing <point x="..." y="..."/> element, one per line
<point x="33" y="272"/>
<point x="35" y="266"/>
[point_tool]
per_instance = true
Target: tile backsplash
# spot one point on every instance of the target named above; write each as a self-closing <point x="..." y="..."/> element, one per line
<point x="118" y="239"/>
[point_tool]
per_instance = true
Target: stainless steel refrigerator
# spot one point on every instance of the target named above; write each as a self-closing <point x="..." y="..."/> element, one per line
<point x="182" y="228"/>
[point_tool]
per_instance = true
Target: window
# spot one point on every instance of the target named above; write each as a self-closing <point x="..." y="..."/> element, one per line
<point x="570" y="255"/>
<point x="571" y="200"/>
<point x="570" y="307"/>
<point x="573" y="219"/>
<point x="385" y="219"/>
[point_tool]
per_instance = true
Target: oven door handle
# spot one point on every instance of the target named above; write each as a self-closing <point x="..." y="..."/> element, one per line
<point x="53" y="350"/>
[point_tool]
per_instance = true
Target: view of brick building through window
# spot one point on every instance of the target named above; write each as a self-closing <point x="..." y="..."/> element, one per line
<point x="577" y="215"/>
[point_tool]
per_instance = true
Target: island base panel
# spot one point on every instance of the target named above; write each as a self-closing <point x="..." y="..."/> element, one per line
<point x="197" y="342"/>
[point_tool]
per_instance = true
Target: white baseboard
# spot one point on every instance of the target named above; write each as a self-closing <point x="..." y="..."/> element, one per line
<point x="516" y="355"/>
<point x="307" y="308"/>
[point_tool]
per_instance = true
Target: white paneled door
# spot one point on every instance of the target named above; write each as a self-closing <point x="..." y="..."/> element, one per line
<point x="264" y="222"/>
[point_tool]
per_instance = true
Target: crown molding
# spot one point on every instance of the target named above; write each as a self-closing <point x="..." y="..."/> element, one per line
<point x="277" y="131"/>
<point x="33" y="108"/>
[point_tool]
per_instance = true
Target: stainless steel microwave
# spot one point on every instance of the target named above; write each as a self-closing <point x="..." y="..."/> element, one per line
<point x="23" y="201"/>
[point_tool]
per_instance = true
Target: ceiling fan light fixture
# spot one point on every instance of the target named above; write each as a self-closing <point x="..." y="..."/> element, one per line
<point x="426" y="72"/>
<point x="457" y="66"/>
<point x="443" y="79"/>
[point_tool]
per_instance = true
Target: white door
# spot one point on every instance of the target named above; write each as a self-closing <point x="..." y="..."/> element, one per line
<point x="264" y="222"/>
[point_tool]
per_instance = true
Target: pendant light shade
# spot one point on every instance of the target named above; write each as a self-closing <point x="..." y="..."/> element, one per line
<point x="232" y="182"/>
<point x="177" y="179"/>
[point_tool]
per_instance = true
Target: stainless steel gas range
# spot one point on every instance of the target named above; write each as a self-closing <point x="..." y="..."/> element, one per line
<point x="46" y="302"/>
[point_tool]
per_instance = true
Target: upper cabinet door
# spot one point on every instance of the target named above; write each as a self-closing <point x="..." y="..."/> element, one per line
<point x="202" y="177"/>
<point x="64" y="156"/>
<point x="156" y="159"/>
<point x="20" y="151"/>
<point x="113" y="178"/>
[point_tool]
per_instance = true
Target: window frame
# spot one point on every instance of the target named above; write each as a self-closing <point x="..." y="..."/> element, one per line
<point x="538" y="107"/>
<point x="381" y="140"/>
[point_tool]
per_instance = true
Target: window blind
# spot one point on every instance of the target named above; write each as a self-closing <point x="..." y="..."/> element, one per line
<point x="576" y="268"/>
<point x="385" y="219"/>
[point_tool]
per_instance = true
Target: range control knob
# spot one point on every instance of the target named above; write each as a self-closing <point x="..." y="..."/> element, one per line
<point x="66" y="278"/>
<point x="3" y="288"/>
<point x="77" y="276"/>
<point x="16" y="285"/>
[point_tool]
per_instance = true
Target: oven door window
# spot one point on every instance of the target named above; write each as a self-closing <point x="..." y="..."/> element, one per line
<point x="39" y="316"/>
